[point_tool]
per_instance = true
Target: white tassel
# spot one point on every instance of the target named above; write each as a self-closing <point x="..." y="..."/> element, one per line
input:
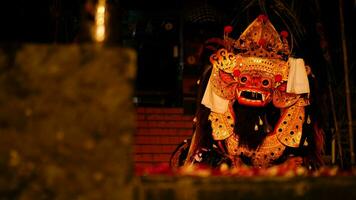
<point x="256" y="127"/>
<point x="308" y="120"/>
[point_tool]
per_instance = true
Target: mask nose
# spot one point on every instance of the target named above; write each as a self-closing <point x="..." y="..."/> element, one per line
<point x="256" y="81"/>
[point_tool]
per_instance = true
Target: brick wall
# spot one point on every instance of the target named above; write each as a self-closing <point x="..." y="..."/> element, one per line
<point x="159" y="132"/>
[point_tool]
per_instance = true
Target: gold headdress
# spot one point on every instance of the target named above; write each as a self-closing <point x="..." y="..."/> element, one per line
<point x="261" y="39"/>
<point x="259" y="48"/>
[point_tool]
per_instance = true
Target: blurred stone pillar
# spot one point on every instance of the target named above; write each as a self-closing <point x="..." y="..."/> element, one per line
<point x="66" y="122"/>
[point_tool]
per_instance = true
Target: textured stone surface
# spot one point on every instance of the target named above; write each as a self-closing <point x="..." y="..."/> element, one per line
<point x="66" y="122"/>
<point x="233" y="188"/>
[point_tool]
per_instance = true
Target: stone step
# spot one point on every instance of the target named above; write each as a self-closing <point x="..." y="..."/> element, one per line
<point x="149" y="110"/>
<point x="159" y="140"/>
<point x="165" y="124"/>
<point x="163" y="117"/>
<point x="159" y="131"/>
<point x="152" y="158"/>
<point x="154" y="149"/>
<point x="187" y="132"/>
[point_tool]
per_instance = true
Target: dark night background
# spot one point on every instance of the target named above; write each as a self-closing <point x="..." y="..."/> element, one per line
<point x="157" y="29"/>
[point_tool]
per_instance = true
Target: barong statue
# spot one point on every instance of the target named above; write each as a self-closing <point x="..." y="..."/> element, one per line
<point x="255" y="108"/>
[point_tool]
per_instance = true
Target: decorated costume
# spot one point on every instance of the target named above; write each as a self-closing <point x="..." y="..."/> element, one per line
<point x="257" y="96"/>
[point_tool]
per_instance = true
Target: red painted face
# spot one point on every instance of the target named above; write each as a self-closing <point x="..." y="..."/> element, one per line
<point x="254" y="88"/>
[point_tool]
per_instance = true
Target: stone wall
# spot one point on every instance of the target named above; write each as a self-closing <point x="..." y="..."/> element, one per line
<point x="66" y="122"/>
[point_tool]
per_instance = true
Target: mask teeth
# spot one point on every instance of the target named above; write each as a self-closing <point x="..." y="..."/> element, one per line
<point x="239" y="93"/>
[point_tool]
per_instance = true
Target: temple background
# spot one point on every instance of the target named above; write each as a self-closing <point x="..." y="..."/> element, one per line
<point x="170" y="42"/>
<point x="173" y="41"/>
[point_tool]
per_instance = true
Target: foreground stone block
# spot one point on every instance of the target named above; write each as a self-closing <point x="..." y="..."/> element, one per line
<point x="249" y="188"/>
<point x="66" y="122"/>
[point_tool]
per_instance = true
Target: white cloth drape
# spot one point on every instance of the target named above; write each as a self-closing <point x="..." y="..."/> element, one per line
<point x="297" y="79"/>
<point x="214" y="102"/>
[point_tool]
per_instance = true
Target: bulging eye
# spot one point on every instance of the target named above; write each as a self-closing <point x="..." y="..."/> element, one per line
<point x="265" y="82"/>
<point x="243" y="79"/>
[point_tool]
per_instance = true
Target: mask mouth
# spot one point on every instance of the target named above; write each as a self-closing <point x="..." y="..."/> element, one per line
<point x="255" y="98"/>
<point x="252" y="95"/>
